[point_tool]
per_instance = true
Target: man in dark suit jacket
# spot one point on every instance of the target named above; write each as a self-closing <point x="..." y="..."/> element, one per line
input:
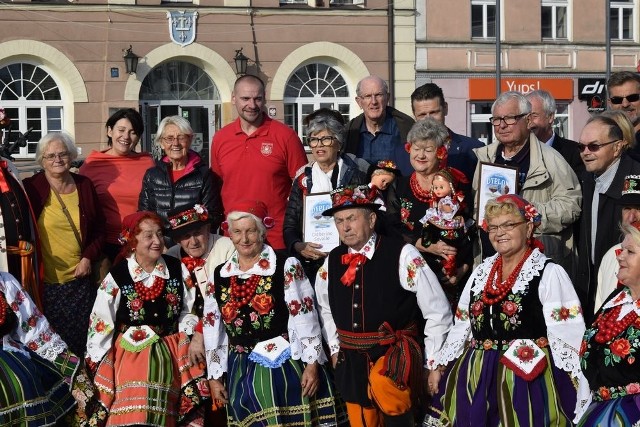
<point x="543" y="113"/>
<point x="428" y="101"/>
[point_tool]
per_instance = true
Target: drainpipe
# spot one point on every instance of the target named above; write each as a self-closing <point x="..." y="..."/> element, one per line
<point x="391" y="51"/>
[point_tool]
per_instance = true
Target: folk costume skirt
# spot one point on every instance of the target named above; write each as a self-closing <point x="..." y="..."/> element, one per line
<point x="619" y="412"/>
<point x="34" y="391"/>
<point x="261" y="396"/>
<point x="481" y="391"/>
<point x="156" y="386"/>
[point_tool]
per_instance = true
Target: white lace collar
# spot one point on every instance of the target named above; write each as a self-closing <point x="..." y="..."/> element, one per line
<point x="265" y="266"/>
<point x="532" y="267"/>
<point x="625" y="300"/>
<point x="138" y="274"/>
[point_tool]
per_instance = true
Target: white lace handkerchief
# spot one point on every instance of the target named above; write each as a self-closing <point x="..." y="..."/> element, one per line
<point x="525" y="359"/>
<point x="271" y="353"/>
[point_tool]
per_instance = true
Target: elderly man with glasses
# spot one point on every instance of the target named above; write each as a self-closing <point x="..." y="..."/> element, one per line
<point x="544" y="177"/>
<point x="380" y="132"/>
<point x="603" y="151"/>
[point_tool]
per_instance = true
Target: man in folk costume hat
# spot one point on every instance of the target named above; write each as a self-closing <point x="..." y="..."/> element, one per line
<point x="370" y="309"/>
<point x="608" y="271"/>
<point x="200" y="251"/>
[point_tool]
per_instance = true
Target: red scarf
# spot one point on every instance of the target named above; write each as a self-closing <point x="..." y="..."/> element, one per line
<point x="354" y="260"/>
<point x="192" y="263"/>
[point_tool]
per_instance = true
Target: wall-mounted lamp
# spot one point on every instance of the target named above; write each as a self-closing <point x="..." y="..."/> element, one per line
<point x="130" y="61"/>
<point x="241" y="61"/>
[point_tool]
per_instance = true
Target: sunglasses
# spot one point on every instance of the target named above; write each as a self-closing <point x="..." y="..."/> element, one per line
<point x="594" y="147"/>
<point x="630" y="98"/>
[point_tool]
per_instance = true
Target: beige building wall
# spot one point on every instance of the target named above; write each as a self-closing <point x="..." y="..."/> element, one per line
<point x="79" y="43"/>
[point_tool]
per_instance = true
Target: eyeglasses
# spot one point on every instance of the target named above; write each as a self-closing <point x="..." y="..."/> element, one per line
<point x="172" y="139"/>
<point x="594" y="147"/>
<point x="51" y="157"/>
<point x="507" y="226"/>
<point x="325" y="141"/>
<point x="630" y="98"/>
<point x="508" y="120"/>
<point x="370" y="96"/>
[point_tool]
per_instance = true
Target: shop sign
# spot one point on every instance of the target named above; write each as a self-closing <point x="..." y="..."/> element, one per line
<point x="594" y="92"/>
<point x="485" y="88"/>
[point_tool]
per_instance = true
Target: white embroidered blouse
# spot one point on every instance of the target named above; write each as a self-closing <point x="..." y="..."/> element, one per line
<point x="303" y="326"/>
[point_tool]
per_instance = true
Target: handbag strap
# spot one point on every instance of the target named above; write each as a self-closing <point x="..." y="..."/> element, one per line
<point x="68" y="215"/>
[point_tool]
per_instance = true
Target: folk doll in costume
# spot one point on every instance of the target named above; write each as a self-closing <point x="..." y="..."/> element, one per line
<point x="445" y="221"/>
<point x="524" y="320"/>
<point x="371" y="290"/>
<point x="261" y="328"/>
<point x="138" y="335"/>
<point x="610" y="347"/>
<point x="36" y="368"/>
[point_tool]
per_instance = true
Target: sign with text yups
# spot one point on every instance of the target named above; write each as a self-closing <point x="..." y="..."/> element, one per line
<point x="485" y="89"/>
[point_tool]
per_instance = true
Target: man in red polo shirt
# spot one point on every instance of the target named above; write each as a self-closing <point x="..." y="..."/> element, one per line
<point x="257" y="157"/>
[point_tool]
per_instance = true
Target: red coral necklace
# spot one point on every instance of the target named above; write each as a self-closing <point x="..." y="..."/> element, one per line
<point x="610" y="327"/>
<point x="494" y="291"/>
<point x="422" y="195"/>
<point x="151" y="292"/>
<point x="3" y="309"/>
<point x="241" y="294"/>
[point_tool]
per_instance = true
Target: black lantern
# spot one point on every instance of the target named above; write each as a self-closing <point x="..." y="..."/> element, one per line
<point x="130" y="61"/>
<point x="241" y="62"/>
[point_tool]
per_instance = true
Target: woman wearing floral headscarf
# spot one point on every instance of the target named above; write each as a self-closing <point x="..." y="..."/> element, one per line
<point x="525" y="324"/>
<point x="138" y="345"/>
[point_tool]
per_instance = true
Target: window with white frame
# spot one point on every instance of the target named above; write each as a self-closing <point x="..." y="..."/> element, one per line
<point x="32" y="99"/>
<point x="483" y="19"/>
<point x="553" y="19"/>
<point x="622" y="18"/>
<point x="310" y="88"/>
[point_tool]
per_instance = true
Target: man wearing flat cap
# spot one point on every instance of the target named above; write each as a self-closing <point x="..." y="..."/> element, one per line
<point x="608" y="271"/>
<point x="371" y="290"/>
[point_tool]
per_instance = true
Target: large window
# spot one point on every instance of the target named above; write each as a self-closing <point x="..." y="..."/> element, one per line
<point x="483" y="19"/>
<point x="621" y="25"/>
<point x="31" y="98"/>
<point x="312" y="87"/>
<point x="554" y="19"/>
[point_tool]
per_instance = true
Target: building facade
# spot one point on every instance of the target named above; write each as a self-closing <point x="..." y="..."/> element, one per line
<point x="556" y="45"/>
<point x="62" y="66"/>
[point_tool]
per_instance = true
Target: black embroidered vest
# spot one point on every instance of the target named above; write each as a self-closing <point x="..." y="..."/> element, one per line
<point x="162" y="313"/>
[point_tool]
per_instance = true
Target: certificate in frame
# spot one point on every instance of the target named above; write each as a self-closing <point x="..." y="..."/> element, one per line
<point x="317" y="228"/>
<point x="494" y="180"/>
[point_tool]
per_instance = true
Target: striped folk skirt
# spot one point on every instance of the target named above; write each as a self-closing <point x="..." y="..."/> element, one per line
<point x="34" y="391"/>
<point x="621" y="412"/>
<point x="156" y="386"/>
<point x="480" y="391"/>
<point x="261" y="396"/>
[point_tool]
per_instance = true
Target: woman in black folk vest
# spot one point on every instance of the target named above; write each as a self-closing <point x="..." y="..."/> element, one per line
<point x="525" y="323"/>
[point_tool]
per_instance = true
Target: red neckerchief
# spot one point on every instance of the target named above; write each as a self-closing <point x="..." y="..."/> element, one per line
<point x="192" y="263"/>
<point x="354" y="260"/>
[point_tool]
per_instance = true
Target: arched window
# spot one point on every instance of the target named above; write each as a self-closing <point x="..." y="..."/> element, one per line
<point x="31" y="98"/>
<point x="311" y="87"/>
<point x="184" y="89"/>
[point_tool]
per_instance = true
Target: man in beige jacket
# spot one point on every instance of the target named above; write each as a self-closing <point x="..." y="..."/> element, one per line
<point x="544" y="177"/>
